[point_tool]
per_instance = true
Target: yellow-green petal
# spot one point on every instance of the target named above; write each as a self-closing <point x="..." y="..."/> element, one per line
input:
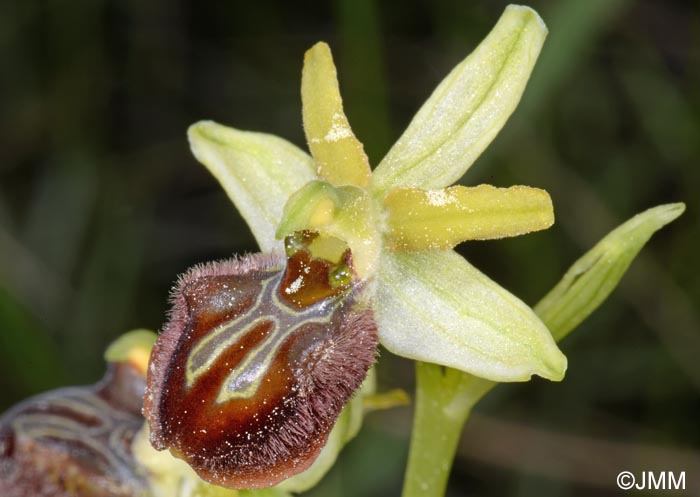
<point x="589" y="281"/>
<point x="436" y="307"/>
<point x="467" y="109"/>
<point x="420" y="220"/>
<point x="258" y="172"/>
<point x="339" y="155"/>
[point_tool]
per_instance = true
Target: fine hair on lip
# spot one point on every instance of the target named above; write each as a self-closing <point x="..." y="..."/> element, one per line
<point x="246" y="384"/>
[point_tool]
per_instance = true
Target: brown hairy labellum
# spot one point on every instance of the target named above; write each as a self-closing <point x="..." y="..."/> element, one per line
<point x="257" y="360"/>
<point x="75" y="442"/>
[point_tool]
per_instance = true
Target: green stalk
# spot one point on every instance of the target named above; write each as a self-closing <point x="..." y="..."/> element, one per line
<point x="444" y="398"/>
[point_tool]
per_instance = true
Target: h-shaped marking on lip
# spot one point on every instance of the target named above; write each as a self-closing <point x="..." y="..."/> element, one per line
<point x="244" y="380"/>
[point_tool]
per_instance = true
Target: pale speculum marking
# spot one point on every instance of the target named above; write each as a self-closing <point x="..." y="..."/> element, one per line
<point x="282" y="320"/>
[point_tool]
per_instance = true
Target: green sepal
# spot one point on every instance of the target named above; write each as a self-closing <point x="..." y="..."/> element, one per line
<point x="436" y="307"/>
<point x="467" y="109"/>
<point x="258" y="172"/>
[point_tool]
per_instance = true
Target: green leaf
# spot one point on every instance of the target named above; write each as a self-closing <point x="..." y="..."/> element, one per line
<point x="340" y="157"/>
<point x="258" y="171"/>
<point x="436" y="307"/>
<point x="589" y="281"/>
<point x="467" y="109"/>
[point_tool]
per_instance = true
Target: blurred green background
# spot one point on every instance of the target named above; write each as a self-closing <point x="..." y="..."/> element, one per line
<point x="102" y="205"/>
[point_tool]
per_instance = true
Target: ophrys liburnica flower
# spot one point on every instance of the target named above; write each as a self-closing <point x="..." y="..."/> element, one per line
<point x="261" y="353"/>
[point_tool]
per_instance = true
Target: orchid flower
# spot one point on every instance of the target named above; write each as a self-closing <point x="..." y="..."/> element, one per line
<point x="402" y="220"/>
<point x="264" y="369"/>
<point x="235" y="388"/>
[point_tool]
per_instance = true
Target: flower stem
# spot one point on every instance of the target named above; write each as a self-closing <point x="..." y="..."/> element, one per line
<point x="444" y="398"/>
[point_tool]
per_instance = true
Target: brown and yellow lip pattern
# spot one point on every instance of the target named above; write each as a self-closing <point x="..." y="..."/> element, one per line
<point x="256" y="362"/>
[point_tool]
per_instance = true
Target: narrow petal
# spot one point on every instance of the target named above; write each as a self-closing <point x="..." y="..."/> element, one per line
<point x="339" y="155"/>
<point x="258" y="171"/>
<point x="589" y="281"/>
<point x="436" y="307"/>
<point x="468" y="109"/>
<point x="440" y="219"/>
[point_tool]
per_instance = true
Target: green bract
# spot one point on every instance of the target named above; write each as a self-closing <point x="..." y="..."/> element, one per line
<point x="589" y="281"/>
<point x="400" y="221"/>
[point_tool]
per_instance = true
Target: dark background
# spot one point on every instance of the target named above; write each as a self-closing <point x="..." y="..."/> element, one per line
<point x="102" y="205"/>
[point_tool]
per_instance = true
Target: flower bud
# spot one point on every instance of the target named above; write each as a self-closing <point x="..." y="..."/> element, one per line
<point x="75" y="442"/>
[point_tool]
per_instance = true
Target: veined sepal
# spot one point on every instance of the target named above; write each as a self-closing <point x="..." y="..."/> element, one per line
<point x="436" y="307"/>
<point x="467" y="109"/>
<point x="258" y="171"/>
